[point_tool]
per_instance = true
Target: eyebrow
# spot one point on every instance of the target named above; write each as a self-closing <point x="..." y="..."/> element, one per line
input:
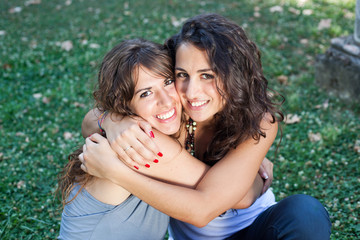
<point x="142" y="89"/>
<point x="200" y="71"/>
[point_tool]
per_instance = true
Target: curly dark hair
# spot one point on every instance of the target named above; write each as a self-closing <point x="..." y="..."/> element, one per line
<point x="116" y="85"/>
<point x="236" y="61"/>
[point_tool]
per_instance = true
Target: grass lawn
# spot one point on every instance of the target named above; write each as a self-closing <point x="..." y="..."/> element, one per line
<point x="49" y="55"/>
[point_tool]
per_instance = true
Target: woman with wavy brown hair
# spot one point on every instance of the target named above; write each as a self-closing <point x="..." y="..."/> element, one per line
<point x="136" y="80"/>
<point x="232" y="120"/>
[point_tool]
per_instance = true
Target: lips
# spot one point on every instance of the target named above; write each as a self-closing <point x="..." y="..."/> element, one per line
<point x="197" y="105"/>
<point x="167" y="115"/>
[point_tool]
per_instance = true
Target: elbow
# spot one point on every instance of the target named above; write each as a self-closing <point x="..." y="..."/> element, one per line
<point x="201" y="220"/>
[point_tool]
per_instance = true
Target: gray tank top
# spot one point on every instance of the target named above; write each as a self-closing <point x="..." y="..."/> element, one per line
<point x="87" y="218"/>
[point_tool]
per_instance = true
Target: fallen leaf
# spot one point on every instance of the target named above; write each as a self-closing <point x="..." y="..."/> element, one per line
<point x="276" y="9"/>
<point x="94" y="45"/>
<point x="324" y="105"/>
<point x="304" y="41"/>
<point x="294" y="11"/>
<point x="357" y="146"/>
<point x="307" y="12"/>
<point x="314" y="137"/>
<point x="20" y="184"/>
<point x="32" y="2"/>
<point x="33" y="44"/>
<point x="348" y="14"/>
<point x="15" y="10"/>
<point x="37" y="95"/>
<point x="68" y="2"/>
<point x="67" y="45"/>
<point x="257" y="14"/>
<point x="177" y="22"/>
<point x="67" y="135"/>
<point x="77" y="104"/>
<point x="2" y="32"/>
<point x="301" y="3"/>
<point x="324" y="24"/>
<point x="291" y="119"/>
<point x="283" y="79"/>
<point x="45" y="100"/>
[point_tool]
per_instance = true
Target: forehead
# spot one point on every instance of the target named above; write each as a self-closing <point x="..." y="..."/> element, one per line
<point x="146" y="78"/>
<point x="188" y="55"/>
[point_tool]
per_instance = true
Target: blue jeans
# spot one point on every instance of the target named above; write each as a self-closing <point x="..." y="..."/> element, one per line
<point x="295" y="217"/>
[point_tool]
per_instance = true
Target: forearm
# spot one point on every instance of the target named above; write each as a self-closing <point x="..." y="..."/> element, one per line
<point x="178" y="202"/>
<point x="252" y="194"/>
<point x="89" y="124"/>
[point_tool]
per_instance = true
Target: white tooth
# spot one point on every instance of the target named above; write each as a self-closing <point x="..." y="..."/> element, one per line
<point x="196" y="104"/>
<point x="167" y="115"/>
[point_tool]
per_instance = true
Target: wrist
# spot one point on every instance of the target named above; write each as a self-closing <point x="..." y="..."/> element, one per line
<point x="110" y="119"/>
<point x="101" y="119"/>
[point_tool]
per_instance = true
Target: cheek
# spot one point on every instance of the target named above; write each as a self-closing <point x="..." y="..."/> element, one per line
<point x="142" y="109"/>
<point x="174" y="94"/>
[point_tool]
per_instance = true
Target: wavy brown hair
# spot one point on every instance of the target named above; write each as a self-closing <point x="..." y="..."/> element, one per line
<point x="116" y="84"/>
<point x="236" y="61"/>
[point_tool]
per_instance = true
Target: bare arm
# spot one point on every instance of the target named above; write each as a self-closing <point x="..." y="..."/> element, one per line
<point x="216" y="192"/>
<point x="123" y="132"/>
<point x="89" y="124"/>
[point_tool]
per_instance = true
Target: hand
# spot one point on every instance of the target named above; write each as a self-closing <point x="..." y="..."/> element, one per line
<point x="266" y="172"/>
<point x="98" y="158"/>
<point x="127" y="137"/>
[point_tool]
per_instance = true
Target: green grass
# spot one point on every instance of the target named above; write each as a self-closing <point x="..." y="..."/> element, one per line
<point x="45" y="91"/>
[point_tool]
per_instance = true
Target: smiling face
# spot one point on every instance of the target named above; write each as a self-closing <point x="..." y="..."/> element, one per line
<point x="156" y="101"/>
<point x="196" y="84"/>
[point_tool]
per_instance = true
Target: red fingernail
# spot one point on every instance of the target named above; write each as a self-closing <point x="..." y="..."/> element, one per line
<point x="147" y="165"/>
<point x="152" y="134"/>
<point x="160" y="154"/>
<point x="156" y="161"/>
<point x="136" y="167"/>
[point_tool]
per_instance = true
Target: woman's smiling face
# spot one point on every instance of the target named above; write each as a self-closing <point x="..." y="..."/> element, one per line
<point x="156" y="101"/>
<point x="196" y="83"/>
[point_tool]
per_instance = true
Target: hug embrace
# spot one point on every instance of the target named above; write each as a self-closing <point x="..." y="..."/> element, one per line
<point x="177" y="144"/>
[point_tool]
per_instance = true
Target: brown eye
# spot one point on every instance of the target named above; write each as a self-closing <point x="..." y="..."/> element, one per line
<point x="145" y="94"/>
<point x="181" y="75"/>
<point x="207" y="76"/>
<point x="169" y="82"/>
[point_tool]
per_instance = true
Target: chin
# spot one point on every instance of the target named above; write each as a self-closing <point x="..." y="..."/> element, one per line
<point x="169" y="130"/>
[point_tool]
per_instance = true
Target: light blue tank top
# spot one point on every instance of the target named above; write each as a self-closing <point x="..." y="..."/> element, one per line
<point x="88" y="218"/>
<point x="223" y="226"/>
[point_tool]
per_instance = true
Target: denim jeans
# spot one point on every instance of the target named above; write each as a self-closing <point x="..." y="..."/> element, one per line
<point x="299" y="217"/>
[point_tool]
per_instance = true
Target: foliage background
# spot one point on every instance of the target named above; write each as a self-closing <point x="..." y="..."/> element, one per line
<point x="45" y="90"/>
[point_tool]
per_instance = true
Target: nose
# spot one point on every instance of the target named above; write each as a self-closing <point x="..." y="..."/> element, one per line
<point x="164" y="98"/>
<point x="192" y="89"/>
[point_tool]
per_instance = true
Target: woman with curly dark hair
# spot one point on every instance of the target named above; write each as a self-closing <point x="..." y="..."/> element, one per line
<point x="232" y="120"/>
<point x="135" y="79"/>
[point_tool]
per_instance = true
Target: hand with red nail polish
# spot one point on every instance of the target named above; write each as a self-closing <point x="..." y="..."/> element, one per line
<point x="136" y="137"/>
